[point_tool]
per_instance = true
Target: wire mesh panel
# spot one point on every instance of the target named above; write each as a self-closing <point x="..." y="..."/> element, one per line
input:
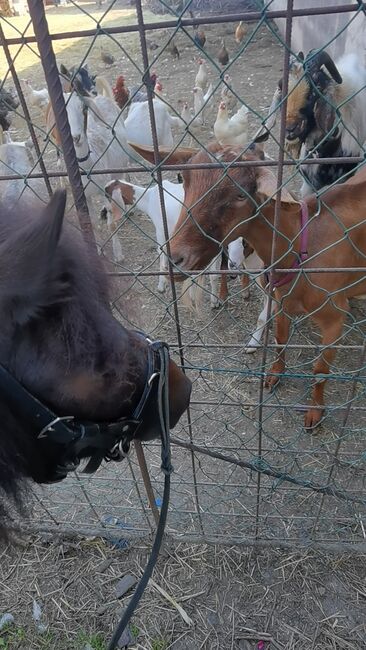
<point x="136" y="83"/>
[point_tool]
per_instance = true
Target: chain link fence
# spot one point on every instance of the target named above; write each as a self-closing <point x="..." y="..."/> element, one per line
<point x="246" y="470"/>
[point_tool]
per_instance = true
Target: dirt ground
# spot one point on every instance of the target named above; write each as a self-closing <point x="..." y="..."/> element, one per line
<point x="216" y="598"/>
<point x="235" y="597"/>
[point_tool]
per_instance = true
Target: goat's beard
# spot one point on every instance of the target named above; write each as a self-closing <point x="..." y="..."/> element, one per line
<point x="293" y="148"/>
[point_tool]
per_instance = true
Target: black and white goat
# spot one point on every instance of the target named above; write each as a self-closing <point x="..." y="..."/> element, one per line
<point x="325" y="117"/>
<point x="78" y="78"/>
<point x="8" y="103"/>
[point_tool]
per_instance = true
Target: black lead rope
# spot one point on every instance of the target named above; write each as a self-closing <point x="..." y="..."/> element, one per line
<point x="166" y="466"/>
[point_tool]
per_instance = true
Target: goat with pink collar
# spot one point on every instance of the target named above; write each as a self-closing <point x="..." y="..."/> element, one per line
<point x="147" y="199"/>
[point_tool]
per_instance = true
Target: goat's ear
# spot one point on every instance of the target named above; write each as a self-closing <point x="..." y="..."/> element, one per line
<point x="324" y="115"/>
<point x="90" y="103"/>
<point x="65" y="72"/>
<point x="30" y="269"/>
<point x="179" y="155"/>
<point x="267" y="186"/>
<point x="263" y="132"/>
<point x="126" y="191"/>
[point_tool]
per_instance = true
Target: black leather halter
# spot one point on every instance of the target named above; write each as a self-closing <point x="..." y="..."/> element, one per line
<point x="78" y="439"/>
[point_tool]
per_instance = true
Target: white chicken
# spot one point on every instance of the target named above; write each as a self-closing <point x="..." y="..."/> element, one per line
<point x="38" y="98"/>
<point x="185" y="113"/>
<point x="202" y="76"/>
<point x="192" y="124"/>
<point x="200" y="102"/>
<point x="231" y="130"/>
<point x="227" y="94"/>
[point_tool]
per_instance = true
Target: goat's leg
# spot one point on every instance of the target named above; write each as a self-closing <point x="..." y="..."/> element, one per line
<point x="255" y="339"/>
<point x="245" y="283"/>
<point x="216" y="297"/>
<point x="331" y="328"/>
<point x="62" y="179"/>
<point x="163" y="281"/>
<point x="223" y="290"/>
<point x="118" y="255"/>
<point x="282" y="322"/>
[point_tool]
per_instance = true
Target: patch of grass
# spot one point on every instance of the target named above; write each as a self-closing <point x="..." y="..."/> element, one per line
<point x="10" y="636"/>
<point x="135" y="630"/>
<point x="159" y="644"/>
<point x="94" y="640"/>
<point x="66" y="19"/>
<point x="47" y="641"/>
<point x="14" y="637"/>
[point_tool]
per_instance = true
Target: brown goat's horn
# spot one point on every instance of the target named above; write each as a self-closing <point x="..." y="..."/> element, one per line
<point x="323" y="58"/>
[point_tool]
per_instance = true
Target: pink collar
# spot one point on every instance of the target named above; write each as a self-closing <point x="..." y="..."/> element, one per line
<point x="303" y="248"/>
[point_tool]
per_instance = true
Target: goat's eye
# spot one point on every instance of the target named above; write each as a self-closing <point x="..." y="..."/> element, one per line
<point x="241" y="197"/>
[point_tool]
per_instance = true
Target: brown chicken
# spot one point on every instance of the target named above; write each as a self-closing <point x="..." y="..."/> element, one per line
<point x="172" y="48"/>
<point x="200" y="38"/>
<point x="223" y="55"/>
<point x="107" y="58"/>
<point x="152" y="45"/>
<point x="240" y="33"/>
<point x="120" y="92"/>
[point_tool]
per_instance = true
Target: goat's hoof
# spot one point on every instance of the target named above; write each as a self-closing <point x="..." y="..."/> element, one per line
<point x="253" y="347"/>
<point x="246" y="294"/>
<point x="313" y="418"/>
<point x="271" y="381"/>
<point x="216" y="303"/>
<point x="161" y="288"/>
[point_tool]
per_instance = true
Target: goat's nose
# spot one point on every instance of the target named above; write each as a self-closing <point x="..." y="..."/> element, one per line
<point x="76" y="139"/>
<point x="178" y="259"/>
<point x="290" y="128"/>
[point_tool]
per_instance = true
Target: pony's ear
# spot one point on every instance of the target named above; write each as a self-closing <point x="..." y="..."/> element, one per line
<point x="31" y="272"/>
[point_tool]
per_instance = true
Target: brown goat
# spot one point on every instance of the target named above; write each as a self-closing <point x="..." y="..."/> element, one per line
<point x="223" y="206"/>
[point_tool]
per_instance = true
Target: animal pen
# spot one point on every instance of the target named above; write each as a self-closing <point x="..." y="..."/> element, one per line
<point x="245" y="469"/>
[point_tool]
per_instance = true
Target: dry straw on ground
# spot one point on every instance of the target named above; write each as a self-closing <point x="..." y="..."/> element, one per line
<point x="235" y="597"/>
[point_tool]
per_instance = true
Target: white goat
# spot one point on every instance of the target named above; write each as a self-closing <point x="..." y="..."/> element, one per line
<point x="17" y="158"/>
<point x="91" y="122"/>
<point x="138" y="124"/>
<point x="147" y="200"/>
<point x="237" y="261"/>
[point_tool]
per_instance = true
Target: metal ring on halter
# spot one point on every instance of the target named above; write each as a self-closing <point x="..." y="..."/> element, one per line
<point x="48" y="427"/>
<point x="151" y="379"/>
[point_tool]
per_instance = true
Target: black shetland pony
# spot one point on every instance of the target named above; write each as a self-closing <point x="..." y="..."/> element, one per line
<point x="59" y="340"/>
